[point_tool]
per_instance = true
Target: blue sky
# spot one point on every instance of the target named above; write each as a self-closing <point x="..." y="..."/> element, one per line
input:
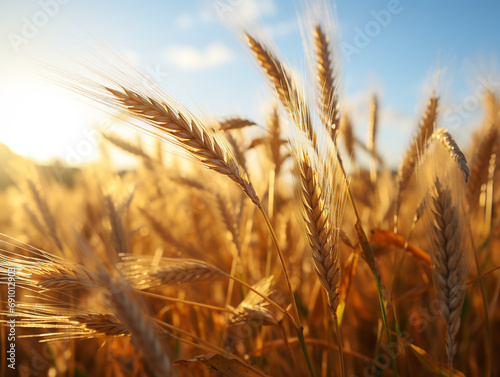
<point x="196" y="57"/>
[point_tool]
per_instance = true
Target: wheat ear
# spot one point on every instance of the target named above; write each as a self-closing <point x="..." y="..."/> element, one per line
<point x="348" y="134"/>
<point x="444" y="137"/>
<point x="287" y="89"/>
<point x="322" y="210"/>
<point x="449" y="263"/>
<point x="417" y="147"/>
<point x="480" y="163"/>
<point x="129" y="311"/>
<point x="41" y="274"/>
<point x="327" y="82"/>
<point x="146" y="272"/>
<point x="125" y="145"/>
<point x="235" y="124"/>
<point x="189" y="134"/>
<point x="43" y="207"/>
<point x="238" y="151"/>
<point x="275" y="142"/>
<point x="372" y="124"/>
<point x="372" y="133"/>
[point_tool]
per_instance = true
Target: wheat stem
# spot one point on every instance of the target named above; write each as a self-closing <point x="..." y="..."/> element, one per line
<point x="339" y="342"/>
<point x="181" y="301"/>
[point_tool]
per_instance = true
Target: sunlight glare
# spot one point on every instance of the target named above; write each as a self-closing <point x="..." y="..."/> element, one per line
<point x="38" y="119"/>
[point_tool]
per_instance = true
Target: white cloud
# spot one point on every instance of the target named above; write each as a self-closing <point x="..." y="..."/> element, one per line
<point x="251" y="10"/>
<point x="396" y="119"/>
<point x="389" y="117"/>
<point x="244" y="11"/>
<point x="192" y="58"/>
<point x="282" y="28"/>
<point x="189" y="21"/>
<point x="185" y="21"/>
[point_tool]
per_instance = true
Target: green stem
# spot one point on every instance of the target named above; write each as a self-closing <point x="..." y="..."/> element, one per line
<point x="302" y="340"/>
<point x="339" y="341"/>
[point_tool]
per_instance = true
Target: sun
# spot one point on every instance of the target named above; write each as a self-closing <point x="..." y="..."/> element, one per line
<point x="38" y="119"/>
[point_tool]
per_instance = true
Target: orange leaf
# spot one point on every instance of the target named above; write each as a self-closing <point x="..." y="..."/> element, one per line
<point x="388" y="238"/>
<point x="431" y="364"/>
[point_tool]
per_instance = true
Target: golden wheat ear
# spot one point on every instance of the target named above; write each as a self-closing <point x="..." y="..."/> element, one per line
<point x="485" y="150"/>
<point x="327" y="82"/>
<point x="130" y="312"/>
<point x="417" y="147"/>
<point x="321" y="209"/>
<point x="235" y="124"/>
<point x="444" y="193"/>
<point x="286" y="86"/>
<point x="187" y="131"/>
<point x="448" y="142"/>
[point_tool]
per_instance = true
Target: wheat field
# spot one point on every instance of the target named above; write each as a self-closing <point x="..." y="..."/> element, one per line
<point x="256" y="249"/>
